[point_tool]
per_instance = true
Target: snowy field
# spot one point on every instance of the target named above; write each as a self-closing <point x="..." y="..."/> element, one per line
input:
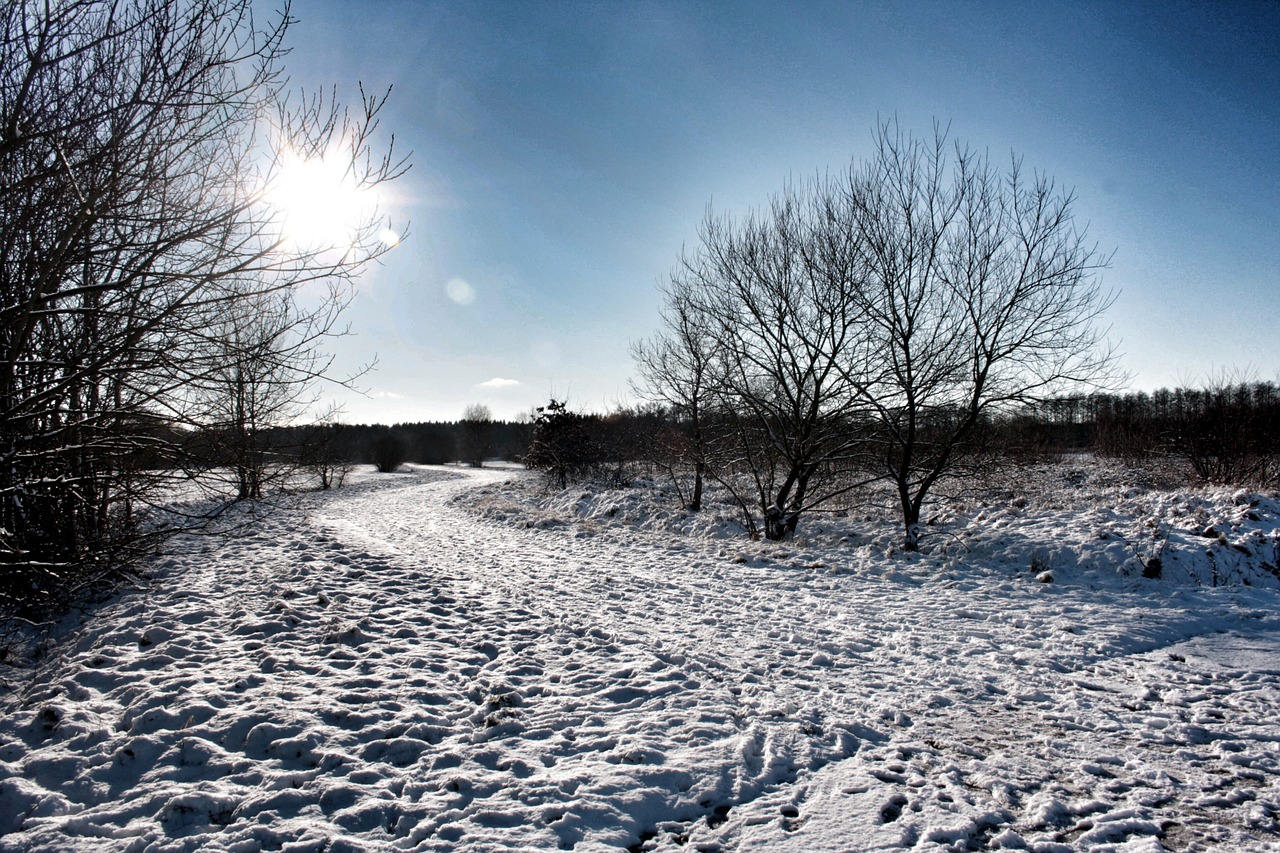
<point x="436" y="661"/>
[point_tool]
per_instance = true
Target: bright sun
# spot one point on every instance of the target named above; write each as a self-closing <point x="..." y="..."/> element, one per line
<point x="320" y="205"/>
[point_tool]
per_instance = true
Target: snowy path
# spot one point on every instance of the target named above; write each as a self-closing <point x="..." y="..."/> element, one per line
<point x="396" y="673"/>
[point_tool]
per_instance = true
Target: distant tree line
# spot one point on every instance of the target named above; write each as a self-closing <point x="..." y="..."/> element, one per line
<point x="301" y="448"/>
<point x="436" y="442"/>
<point x="1224" y="433"/>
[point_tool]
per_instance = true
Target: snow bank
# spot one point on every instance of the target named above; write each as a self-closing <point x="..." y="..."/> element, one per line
<point x="1081" y="521"/>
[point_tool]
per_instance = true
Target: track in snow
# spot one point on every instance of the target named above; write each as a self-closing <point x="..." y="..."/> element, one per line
<point x="381" y="669"/>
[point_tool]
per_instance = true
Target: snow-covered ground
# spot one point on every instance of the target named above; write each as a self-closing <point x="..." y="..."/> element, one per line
<point x="434" y="661"/>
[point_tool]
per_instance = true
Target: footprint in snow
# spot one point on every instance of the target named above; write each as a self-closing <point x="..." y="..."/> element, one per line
<point x="892" y="810"/>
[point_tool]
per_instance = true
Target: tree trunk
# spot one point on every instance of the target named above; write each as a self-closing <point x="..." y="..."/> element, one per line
<point x="696" y="503"/>
<point x="775" y="524"/>
<point x="781" y="519"/>
<point x="911" y="526"/>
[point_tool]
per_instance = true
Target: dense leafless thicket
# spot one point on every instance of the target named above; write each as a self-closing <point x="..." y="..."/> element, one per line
<point x="1226" y="431"/>
<point x="146" y="286"/>
<point x="869" y="324"/>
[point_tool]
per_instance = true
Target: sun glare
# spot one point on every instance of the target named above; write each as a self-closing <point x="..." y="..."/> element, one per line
<point x="319" y="204"/>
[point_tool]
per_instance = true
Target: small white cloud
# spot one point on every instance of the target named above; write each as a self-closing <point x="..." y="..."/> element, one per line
<point x="386" y="395"/>
<point x="460" y="292"/>
<point x="499" y="382"/>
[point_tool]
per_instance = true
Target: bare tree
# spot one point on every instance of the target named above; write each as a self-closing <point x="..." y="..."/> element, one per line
<point x="257" y="375"/>
<point x="323" y="451"/>
<point x="475" y="434"/>
<point x="137" y="141"/>
<point x="980" y="292"/>
<point x="676" y="367"/>
<point x="781" y="326"/>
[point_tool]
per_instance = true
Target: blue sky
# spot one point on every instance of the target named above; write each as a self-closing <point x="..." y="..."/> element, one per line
<point x="564" y="152"/>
